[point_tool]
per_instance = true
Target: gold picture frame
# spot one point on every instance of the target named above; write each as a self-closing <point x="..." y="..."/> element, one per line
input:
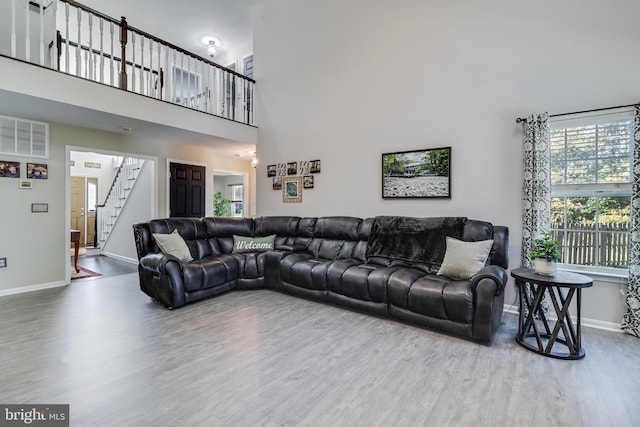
<point x="292" y="189"/>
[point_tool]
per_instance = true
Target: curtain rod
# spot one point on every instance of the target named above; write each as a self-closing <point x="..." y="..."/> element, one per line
<point x="523" y="119"/>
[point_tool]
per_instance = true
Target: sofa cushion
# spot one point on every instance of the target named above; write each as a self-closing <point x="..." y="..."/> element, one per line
<point x="464" y="259"/>
<point x="173" y="244"/>
<point x="413" y="239"/>
<point x="242" y="244"/>
<point x="209" y="272"/>
<point x="431" y="295"/>
<point x="365" y="282"/>
<point x="250" y="264"/>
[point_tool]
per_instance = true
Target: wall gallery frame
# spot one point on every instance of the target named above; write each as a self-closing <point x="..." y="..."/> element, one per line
<point x="300" y="170"/>
<point x="292" y="189"/>
<point x="418" y="174"/>
<point x="9" y="169"/>
<point x="37" y="171"/>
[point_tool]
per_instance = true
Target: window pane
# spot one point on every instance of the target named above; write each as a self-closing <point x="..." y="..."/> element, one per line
<point x="591" y="154"/>
<point x="592" y="231"/>
<point x="614" y="214"/>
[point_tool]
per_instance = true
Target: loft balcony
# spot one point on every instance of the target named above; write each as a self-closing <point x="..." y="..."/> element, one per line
<point x="72" y="39"/>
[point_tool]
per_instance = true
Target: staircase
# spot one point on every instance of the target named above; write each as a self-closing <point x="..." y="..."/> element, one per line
<point x="110" y="210"/>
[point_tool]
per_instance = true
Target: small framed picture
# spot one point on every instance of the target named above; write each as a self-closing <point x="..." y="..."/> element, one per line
<point x="292" y="168"/>
<point x="314" y="166"/>
<point x="292" y="189"/>
<point x="37" y="171"/>
<point x="277" y="183"/>
<point x="307" y="181"/>
<point x="9" y="169"/>
<point x="271" y="171"/>
<point x="25" y="185"/>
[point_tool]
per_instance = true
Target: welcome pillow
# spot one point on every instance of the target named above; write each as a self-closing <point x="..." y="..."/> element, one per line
<point x="173" y="244"/>
<point x="464" y="259"/>
<point x="242" y="244"/>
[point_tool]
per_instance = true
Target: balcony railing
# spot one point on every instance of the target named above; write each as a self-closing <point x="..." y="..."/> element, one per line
<point x="76" y="40"/>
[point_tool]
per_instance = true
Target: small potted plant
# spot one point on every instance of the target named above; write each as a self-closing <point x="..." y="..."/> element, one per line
<point x="545" y="254"/>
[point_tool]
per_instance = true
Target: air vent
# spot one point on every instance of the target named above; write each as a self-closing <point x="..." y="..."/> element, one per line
<point x="20" y="137"/>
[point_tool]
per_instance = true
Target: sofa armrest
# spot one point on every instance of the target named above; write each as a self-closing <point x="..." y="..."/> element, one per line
<point x="494" y="272"/>
<point x="488" y="285"/>
<point x="157" y="262"/>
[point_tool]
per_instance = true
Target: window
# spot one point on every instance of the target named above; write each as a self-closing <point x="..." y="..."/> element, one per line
<point x="186" y="86"/>
<point x="236" y="194"/>
<point x="591" y="160"/>
<point x="24" y="137"/>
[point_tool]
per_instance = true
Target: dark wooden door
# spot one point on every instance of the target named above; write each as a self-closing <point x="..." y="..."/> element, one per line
<point x="187" y="185"/>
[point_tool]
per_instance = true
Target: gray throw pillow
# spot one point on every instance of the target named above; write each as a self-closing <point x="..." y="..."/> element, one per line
<point x="242" y="244"/>
<point x="173" y="244"/>
<point x="464" y="259"/>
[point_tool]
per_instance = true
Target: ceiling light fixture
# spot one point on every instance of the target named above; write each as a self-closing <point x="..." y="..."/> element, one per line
<point x="211" y="50"/>
<point x="212" y="44"/>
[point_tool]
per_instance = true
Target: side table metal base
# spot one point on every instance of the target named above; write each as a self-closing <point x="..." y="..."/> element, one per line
<point x="530" y="343"/>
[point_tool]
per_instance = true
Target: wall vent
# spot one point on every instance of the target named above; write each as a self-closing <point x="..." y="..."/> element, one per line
<point x="19" y="137"/>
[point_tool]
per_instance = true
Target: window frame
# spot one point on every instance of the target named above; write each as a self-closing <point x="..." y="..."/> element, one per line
<point x="596" y="190"/>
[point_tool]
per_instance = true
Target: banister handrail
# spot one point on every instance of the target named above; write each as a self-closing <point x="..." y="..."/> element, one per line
<point x="158" y="39"/>
<point x="92" y="45"/>
<point x="113" y="184"/>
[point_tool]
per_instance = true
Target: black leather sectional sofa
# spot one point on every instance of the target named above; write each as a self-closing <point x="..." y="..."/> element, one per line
<point x="347" y="261"/>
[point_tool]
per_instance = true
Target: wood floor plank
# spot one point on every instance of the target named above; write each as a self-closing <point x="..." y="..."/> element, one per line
<point x="262" y="358"/>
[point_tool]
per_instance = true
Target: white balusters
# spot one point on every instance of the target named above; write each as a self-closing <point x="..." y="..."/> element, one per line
<point x="132" y="37"/>
<point x="101" y="50"/>
<point x="27" y="35"/>
<point x="13" y="29"/>
<point x="112" y="59"/>
<point x="56" y="54"/>
<point x="79" y="46"/>
<point x="41" y="41"/>
<point x="66" y="37"/>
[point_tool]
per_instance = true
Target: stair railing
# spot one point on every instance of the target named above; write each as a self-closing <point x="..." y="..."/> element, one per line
<point x="77" y="40"/>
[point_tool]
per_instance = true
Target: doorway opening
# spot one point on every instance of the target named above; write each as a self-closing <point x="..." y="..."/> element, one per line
<point x="103" y="230"/>
<point x="230" y="194"/>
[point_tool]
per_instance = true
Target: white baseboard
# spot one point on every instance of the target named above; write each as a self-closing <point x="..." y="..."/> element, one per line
<point x="586" y="322"/>
<point x="31" y="288"/>
<point x="120" y="257"/>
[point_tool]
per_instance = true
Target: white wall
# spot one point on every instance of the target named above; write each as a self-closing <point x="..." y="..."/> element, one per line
<point x="345" y="82"/>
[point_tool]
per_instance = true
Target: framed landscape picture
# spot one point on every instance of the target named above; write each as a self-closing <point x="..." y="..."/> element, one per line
<point x="419" y="174"/>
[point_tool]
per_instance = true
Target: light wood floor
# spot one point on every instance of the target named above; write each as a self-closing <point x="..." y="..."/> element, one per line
<point x="261" y="358"/>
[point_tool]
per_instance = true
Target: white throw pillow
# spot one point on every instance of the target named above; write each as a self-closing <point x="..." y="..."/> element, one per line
<point x="464" y="259"/>
<point x="173" y="244"/>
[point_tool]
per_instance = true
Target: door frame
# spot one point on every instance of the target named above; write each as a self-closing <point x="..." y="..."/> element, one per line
<point x="67" y="189"/>
<point x="249" y="208"/>
<point x="208" y="189"/>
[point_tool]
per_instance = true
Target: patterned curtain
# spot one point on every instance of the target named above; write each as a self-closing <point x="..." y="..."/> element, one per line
<point x="536" y="181"/>
<point x="631" y="318"/>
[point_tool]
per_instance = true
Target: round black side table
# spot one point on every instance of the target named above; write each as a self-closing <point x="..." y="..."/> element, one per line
<point x="534" y="327"/>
